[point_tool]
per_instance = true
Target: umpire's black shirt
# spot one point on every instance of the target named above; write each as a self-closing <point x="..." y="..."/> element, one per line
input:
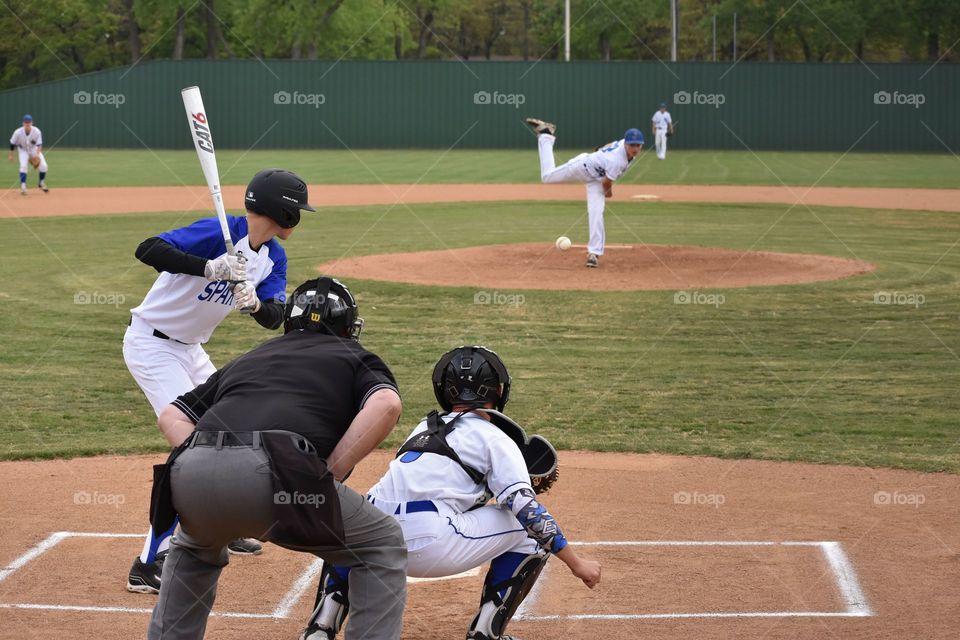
<point x="306" y="382"/>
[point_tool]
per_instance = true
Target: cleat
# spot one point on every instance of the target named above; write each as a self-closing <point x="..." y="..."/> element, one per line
<point x="542" y="127"/>
<point x="23" y="189"/>
<point x="316" y="632"/>
<point x="145" y="577"/>
<point x="43" y="187"/>
<point x="592" y="260"/>
<point x="245" y="547"/>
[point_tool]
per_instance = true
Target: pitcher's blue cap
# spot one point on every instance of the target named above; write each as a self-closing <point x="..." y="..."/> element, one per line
<point x="663" y="104"/>
<point x="633" y="136"/>
<point x="28" y="118"/>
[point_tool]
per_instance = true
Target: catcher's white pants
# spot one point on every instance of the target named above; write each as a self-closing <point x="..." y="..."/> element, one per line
<point x="447" y="543"/>
<point x="25" y="161"/>
<point x="574" y="170"/>
<point x="661" y="139"/>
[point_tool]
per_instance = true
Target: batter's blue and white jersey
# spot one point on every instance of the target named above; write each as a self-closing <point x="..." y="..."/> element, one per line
<point x="188" y="308"/>
<point x="610" y="161"/>
<point x="27" y="142"/>
<point x="429" y="476"/>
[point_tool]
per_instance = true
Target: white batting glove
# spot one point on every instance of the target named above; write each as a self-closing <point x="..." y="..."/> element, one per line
<point x="245" y="298"/>
<point x="226" y="267"/>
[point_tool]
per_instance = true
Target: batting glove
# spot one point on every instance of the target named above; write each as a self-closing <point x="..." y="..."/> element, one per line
<point x="245" y="298"/>
<point x="226" y="267"/>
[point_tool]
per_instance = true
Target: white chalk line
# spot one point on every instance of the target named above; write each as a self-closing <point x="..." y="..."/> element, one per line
<point x="843" y="573"/>
<point x="70" y="607"/>
<point x="303" y="583"/>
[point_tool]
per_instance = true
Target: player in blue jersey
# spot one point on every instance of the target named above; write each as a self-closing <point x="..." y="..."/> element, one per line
<point x="199" y="285"/>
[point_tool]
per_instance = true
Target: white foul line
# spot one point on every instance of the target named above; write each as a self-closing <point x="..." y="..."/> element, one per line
<point x="846" y="577"/>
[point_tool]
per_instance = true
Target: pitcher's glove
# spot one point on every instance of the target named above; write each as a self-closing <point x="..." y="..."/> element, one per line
<point x="669" y="134"/>
<point x="542" y="463"/>
<point x="35" y="161"/>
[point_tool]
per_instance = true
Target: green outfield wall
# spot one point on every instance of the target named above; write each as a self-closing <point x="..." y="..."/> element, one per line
<point x="442" y="104"/>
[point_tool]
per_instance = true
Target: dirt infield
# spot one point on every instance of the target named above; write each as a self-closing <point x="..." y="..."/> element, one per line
<point x="691" y="548"/>
<point x="100" y="200"/>
<point x="622" y="268"/>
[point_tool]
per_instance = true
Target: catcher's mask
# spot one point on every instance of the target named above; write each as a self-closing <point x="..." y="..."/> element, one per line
<point x="324" y="305"/>
<point x="471" y="376"/>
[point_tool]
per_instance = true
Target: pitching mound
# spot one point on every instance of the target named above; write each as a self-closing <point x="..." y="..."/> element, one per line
<point x="622" y="268"/>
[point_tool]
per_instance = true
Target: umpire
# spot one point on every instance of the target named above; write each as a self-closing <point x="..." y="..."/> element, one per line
<point x="268" y="433"/>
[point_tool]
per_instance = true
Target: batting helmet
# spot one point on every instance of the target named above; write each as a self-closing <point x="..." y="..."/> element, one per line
<point x="471" y="376"/>
<point x="279" y="195"/>
<point x="324" y="305"/>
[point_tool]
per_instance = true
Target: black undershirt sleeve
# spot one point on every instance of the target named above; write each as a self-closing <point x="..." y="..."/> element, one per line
<point x="163" y="256"/>
<point x="270" y="315"/>
<point x="12" y="146"/>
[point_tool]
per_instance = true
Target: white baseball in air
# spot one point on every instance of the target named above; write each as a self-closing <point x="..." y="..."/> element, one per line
<point x="563" y="243"/>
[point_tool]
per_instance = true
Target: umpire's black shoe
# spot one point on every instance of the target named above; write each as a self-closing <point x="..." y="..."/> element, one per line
<point x="245" y="547"/>
<point x="145" y="577"/>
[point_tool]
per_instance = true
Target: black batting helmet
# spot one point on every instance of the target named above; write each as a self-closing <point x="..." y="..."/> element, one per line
<point x="471" y="376"/>
<point x="324" y="305"/>
<point x="279" y="195"/>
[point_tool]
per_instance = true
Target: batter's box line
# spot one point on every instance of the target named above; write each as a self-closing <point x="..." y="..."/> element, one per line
<point x="280" y="612"/>
<point x="843" y="573"/>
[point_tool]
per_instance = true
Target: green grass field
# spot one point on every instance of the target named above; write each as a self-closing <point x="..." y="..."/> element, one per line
<point x="109" y="167"/>
<point x="814" y="372"/>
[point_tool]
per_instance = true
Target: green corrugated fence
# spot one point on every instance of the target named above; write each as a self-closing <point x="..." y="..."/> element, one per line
<point x="442" y="104"/>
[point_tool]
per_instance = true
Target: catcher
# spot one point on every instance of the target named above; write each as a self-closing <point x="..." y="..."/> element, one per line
<point x="438" y="488"/>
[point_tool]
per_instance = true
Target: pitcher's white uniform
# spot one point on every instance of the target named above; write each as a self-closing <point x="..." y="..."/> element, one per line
<point x="590" y="168"/>
<point x="27" y="147"/>
<point x="661" y="123"/>
<point x="188" y="308"/>
<point x="459" y="535"/>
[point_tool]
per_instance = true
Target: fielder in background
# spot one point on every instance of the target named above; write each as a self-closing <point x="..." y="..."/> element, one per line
<point x="28" y="141"/>
<point x="438" y="488"/>
<point x="198" y="287"/>
<point x="266" y="439"/>
<point x="597" y="170"/>
<point x="662" y="125"/>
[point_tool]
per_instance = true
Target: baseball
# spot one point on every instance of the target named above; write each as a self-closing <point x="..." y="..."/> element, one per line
<point x="563" y="243"/>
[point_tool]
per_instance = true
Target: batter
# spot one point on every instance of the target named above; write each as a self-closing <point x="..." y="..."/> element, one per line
<point x="28" y="141"/>
<point x="598" y="170"/>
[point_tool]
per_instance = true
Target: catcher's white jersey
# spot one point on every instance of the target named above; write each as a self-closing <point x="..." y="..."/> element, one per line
<point x="610" y="161"/>
<point x="27" y="141"/>
<point x="429" y="476"/>
<point x="661" y="120"/>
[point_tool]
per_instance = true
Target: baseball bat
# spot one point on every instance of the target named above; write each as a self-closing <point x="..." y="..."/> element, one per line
<point x="203" y="141"/>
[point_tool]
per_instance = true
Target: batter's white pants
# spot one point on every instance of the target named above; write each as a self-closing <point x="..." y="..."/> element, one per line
<point x="25" y="161"/>
<point x="574" y="170"/>
<point x="447" y="543"/>
<point x="661" y="139"/>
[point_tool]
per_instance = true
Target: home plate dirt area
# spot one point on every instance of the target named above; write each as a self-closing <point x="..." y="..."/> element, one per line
<point x="690" y="547"/>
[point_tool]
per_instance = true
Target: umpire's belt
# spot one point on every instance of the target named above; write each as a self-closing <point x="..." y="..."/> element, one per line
<point x="242" y="439"/>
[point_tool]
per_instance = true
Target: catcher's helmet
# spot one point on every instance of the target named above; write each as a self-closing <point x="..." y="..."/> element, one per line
<point x="471" y="376"/>
<point x="279" y="195"/>
<point x="324" y="305"/>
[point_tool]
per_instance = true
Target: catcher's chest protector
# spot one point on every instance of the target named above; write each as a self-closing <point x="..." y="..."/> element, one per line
<point x="434" y="440"/>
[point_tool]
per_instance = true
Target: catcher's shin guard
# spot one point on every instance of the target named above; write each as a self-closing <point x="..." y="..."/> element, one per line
<point x="331" y="606"/>
<point x="499" y="600"/>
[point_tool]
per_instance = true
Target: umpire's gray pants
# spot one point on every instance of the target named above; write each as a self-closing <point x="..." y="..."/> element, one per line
<point x="225" y="494"/>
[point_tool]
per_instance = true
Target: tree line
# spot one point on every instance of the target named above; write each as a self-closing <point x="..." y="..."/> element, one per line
<point x="49" y="39"/>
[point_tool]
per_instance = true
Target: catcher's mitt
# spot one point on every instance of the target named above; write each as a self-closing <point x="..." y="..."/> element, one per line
<point x="35" y="161"/>
<point x="542" y="463"/>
